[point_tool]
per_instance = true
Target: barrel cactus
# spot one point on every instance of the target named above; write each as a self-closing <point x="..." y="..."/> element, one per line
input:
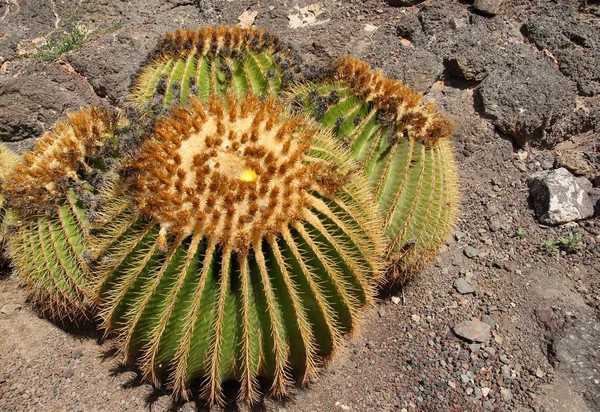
<point x="213" y="61"/>
<point x="231" y="223"/>
<point x="48" y="195"/>
<point x="405" y="147"/>
<point x="249" y="251"/>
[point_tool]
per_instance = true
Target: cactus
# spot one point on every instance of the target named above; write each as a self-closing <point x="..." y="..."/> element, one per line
<point x="233" y="238"/>
<point x="404" y="145"/>
<point x="8" y="160"/>
<point x="249" y="249"/>
<point x="213" y="61"/>
<point x="49" y="197"/>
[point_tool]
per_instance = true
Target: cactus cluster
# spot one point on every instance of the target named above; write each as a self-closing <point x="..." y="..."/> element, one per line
<point x="233" y="221"/>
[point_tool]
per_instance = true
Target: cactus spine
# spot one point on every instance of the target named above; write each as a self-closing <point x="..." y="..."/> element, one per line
<point x="47" y="193"/>
<point x="405" y="148"/>
<point x="249" y="253"/>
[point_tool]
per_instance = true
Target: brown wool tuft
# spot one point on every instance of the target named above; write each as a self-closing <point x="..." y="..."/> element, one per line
<point x="249" y="184"/>
<point x="421" y="120"/>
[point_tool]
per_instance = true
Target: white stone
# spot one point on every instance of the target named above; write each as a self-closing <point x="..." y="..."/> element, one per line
<point x="559" y="198"/>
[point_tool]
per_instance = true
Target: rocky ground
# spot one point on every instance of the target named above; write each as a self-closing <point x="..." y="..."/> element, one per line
<point x="508" y="317"/>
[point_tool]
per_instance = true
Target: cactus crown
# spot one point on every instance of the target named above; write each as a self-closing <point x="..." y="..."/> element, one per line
<point x="58" y="160"/>
<point x="421" y="121"/>
<point x="235" y="172"/>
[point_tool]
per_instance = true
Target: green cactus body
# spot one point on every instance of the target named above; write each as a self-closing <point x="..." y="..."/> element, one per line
<point x="213" y="61"/>
<point x="249" y="251"/>
<point x="405" y="150"/>
<point x="46" y="194"/>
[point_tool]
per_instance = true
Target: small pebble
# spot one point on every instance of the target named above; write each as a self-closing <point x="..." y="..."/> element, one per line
<point x="489" y="320"/>
<point x="471" y="252"/>
<point x="463" y="287"/>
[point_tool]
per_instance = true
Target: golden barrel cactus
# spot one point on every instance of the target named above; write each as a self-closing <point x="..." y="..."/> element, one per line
<point x="250" y="248"/>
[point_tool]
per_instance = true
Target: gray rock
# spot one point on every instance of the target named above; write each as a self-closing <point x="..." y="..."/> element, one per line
<point x="505" y="371"/>
<point x="474" y="347"/>
<point x="506" y="394"/>
<point x="473" y="330"/>
<point x="470" y="251"/>
<point x="431" y="19"/>
<point x="490" y="7"/>
<point x="471" y="52"/>
<point x="464" y="378"/>
<point x="477" y="392"/>
<point x="416" y="67"/>
<point x="546" y="32"/>
<point x="491" y="350"/>
<point x="551" y="320"/>
<point x="489" y="320"/>
<point x="37" y="95"/>
<point x="463" y="287"/>
<point x="558" y="198"/>
<point x="68" y="372"/>
<point x="458" y="235"/>
<point x="495" y="225"/>
<point x="526" y="96"/>
<point x="577" y="359"/>
<point x="560" y="31"/>
<point x="582" y="66"/>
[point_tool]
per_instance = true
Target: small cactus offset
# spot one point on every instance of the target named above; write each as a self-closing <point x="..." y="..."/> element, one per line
<point x="213" y="61"/>
<point x="221" y="231"/>
<point x="405" y="148"/>
<point x="48" y="196"/>
<point x="251" y="250"/>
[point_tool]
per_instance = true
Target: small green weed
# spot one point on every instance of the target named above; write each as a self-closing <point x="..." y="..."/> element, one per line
<point x="570" y="244"/>
<point x="521" y="233"/>
<point x="550" y="246"/>
<point x="71" y="39"/>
